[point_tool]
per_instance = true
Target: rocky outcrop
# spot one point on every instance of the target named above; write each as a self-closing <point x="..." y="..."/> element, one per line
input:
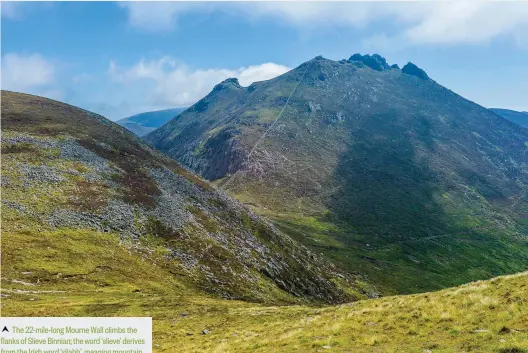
<point x="413" y="70"/>
<point x="230" y="83"/>
<point x="375" y="61"/>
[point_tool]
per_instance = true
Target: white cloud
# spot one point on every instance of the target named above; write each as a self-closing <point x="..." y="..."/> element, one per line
<point x="30" y="73"/>
<point x="123" y="91"/>
<point x="305" y="14"/>
<point x="255" y="73"/>
<point x="174" y="84"/>
<point x="159" y="15"/>
<point x="418" y="23"/>
<point x="470" y="22"/>
<point x="438" y="22"/>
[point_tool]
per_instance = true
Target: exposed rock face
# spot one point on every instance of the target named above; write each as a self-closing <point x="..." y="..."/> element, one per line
<point x="413" y="70"/>
<point x="375" y="61"/>
<point x="71" y="169"/>
<point x="230" y="83"/>
<point x="378" y="168"/>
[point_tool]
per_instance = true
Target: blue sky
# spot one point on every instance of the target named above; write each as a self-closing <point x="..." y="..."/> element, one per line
<point x="119" y="59"/>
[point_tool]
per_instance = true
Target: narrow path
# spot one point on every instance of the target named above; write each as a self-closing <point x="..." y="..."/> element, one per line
<point x="263" y="136"/>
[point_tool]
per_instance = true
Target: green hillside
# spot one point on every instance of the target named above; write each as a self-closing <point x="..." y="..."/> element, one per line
<point x="383" y="170"/>
<point x="87" y="273"/>
<point x="69" y="172"/>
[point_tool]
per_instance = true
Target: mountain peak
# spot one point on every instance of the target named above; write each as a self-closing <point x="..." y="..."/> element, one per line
<point x="374" y="61"/>
<point x="413" y="70"/>
<point x="379" y="157"/>
<point x="231" y="82"/>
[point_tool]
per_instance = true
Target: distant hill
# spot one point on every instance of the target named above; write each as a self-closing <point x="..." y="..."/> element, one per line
<point x="143" y="123"/>
<point x="70" y="172"/>
<point x="382" y="169"/>
<point x="520" y="118"/>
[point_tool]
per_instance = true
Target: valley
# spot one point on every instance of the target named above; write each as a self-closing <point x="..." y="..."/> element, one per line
<point x="100" y="275"/>
<point x="264" y="177"/>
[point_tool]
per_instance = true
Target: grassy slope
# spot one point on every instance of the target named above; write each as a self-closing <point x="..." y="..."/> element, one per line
<point x="84" y="273"/>
<point x="410" y="266"/>
<point x="207" y="238"/>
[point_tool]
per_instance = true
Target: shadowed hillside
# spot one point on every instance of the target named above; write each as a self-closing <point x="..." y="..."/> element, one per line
<point x="381" y="169"/>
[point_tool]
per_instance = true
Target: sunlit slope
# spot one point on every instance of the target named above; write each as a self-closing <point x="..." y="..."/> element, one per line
<point x="66" y="169"/>
<point x="85" y="273"/>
